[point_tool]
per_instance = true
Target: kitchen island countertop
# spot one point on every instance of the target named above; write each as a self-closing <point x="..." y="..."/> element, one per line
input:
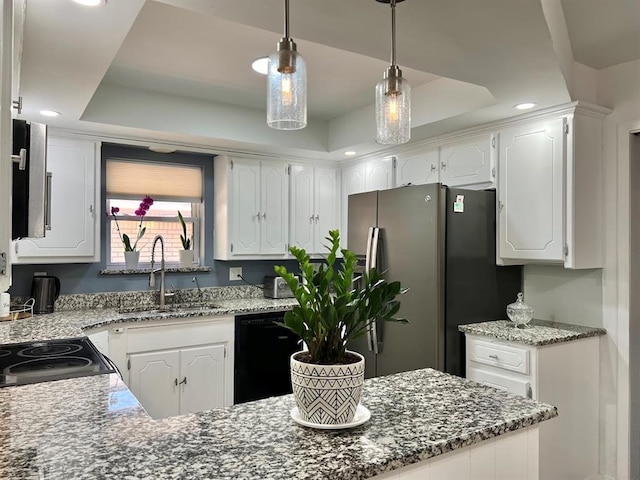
<point x="93" y="427"/>
<point x="537" y="333"/>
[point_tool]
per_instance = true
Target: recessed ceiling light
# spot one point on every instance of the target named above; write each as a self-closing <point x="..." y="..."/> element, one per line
<point x="261" y="65"/>
<point x="160" y="149"/>
<point x="49" y="113"/>
<point x="91" y="3"/>
<point x="350" y="153"/>
<point x="525" y="106"/>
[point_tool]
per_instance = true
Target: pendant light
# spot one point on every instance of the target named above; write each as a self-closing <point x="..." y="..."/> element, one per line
<point x="393" y="97"/>
<point x="286" y="84"/>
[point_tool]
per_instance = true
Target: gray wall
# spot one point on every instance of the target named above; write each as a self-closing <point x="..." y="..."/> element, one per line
<point x="85" y="277"/>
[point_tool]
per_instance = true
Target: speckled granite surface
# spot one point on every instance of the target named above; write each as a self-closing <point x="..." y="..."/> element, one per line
<point x="90" y="428"/>
<point x="73" y="323"/>
<point x="537" y="333"/>
<point x="147" y="271"/>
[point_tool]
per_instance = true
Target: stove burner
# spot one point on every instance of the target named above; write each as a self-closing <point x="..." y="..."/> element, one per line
<point x="4" y="353"/>
<point x="49" y="350"/>
<point x="47" y="366"/>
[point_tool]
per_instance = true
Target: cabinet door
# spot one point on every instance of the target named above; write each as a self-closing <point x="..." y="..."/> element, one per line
<point x="467" y="163"/>
<point x="518" y="386"/>
<point x="302" y="219"/>
<point x="326" y="205"/>
<point x="418" y="168"/>
<point x="379" y="174"/>
<point x="72" y="236"/>
<point x="531" y="192"/>
<point x="352" y="182"/>
<point x="153" y="379"/>
<point x="245" y="207"/>
<point x="275" y="208"/>
<point x="202" y="382"/>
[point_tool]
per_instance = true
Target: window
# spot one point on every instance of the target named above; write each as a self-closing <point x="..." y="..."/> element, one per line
<point x="173" y="187"/>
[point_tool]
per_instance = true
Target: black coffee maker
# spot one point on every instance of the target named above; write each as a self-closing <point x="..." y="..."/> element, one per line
<point x="45" y="289"/>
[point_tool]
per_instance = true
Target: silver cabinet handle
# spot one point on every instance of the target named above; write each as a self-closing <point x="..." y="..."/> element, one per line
<point x="47" y="219"/>
<point x="443" y="165"/>
<point x="311" y="219"/>
<point x="176" y="382"/>
<point x="184" y="381"/>
<point x="258" y="216"/>
<point x="495" y="357"/>
<point x="317" y="218"/>
<point x="433" y="167"/>
<point x="264" y="215"/>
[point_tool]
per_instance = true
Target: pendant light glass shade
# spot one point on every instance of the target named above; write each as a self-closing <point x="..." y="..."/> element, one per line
<point x="393" y="97"/>
<point x="393" y="108"/>
<point x="287" y="89"/>
<point x="287" y="84"/>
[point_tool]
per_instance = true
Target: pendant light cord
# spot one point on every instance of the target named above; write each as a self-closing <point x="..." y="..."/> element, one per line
<point x="393" y="32"/>
<point x="286" y="18"/>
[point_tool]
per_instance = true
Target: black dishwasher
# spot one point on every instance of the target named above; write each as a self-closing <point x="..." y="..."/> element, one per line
<point x="262" y="351"/>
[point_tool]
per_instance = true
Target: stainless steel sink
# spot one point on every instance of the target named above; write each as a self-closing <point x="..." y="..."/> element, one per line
<point x="147" y="309"/>
<point x="179" y="307"/>
<point x="195" y="306"/>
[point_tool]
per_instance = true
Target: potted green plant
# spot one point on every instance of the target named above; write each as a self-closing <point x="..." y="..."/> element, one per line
<point x="186" y="255"/>
<point x="335" y="306"/>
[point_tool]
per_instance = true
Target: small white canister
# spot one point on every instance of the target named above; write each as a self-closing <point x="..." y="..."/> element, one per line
<point x="5" y="304"/>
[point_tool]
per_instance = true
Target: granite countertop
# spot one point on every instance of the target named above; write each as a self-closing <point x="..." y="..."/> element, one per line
<point x="73" y="323"/>
<point x="92" y="427"/>
<point x="537" y="333"/>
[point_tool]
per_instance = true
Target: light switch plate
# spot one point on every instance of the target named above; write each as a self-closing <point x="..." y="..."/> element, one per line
<point x="235" y="273"/>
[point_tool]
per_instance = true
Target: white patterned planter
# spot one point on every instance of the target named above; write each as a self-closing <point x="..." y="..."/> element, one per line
<point x="327" y="394"/>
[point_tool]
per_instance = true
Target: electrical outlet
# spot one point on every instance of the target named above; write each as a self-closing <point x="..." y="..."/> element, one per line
<point x="235" y="273"/>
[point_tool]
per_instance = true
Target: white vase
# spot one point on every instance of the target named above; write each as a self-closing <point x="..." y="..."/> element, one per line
<point x="186" y="258"/>
<point x="131" y="260"/>
<point x="327" y="394"/>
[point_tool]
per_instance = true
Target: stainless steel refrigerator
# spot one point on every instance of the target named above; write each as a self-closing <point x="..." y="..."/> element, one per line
<point x="440" y="243"/>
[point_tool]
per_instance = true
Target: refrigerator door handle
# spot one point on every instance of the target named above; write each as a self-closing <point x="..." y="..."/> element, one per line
<point x="374" y="248"/>
<point x="367" y="263"/>
<point x="374" y="335"/>
<point x="369" y="338"/>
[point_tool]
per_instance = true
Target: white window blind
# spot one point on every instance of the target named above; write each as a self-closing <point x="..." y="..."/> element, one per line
<point x="167" y="181"/>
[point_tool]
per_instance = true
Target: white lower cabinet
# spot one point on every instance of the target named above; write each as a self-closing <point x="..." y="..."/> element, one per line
<point x="176" y="366"/>
<point x="564" y="375"/>
<point x="173" y="382"/>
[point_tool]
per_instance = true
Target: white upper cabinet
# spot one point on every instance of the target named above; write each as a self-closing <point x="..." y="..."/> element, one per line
<point x="314" y="206"/>
<point x="74" y="232"/>
<point x="251" y="208"/>
<point x="379" y="174"/>
<point x="418" y="168"/>
<point x="470" y="162"/>
<point x="531" y="191"/>
<point x="550" y="190"/>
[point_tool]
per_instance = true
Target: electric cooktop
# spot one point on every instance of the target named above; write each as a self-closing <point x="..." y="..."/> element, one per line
<point x="43" y="361"/>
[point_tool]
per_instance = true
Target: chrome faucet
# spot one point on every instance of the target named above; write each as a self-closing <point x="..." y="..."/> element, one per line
<point x="152" y="277"/>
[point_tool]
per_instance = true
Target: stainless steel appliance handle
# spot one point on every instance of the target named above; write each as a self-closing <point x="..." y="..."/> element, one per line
<point x="369" y="338"/>
<point x="367" y="263"/>
<point x="374" y="248"/>
<point x="374" y="334"/>
<point x="47" y="218"/>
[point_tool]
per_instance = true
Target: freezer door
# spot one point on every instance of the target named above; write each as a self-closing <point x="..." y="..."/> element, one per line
<point x="411" y="250"/>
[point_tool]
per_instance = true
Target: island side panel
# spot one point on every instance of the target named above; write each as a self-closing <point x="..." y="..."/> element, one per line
<point x="507" y="457"/>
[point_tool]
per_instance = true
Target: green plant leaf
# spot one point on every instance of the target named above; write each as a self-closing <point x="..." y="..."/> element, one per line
<point x="336" y="305"/>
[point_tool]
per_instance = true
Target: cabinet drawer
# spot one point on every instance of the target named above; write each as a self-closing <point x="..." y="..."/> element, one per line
<point x="499" y="355"/>
<point x="501" y="382"/>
